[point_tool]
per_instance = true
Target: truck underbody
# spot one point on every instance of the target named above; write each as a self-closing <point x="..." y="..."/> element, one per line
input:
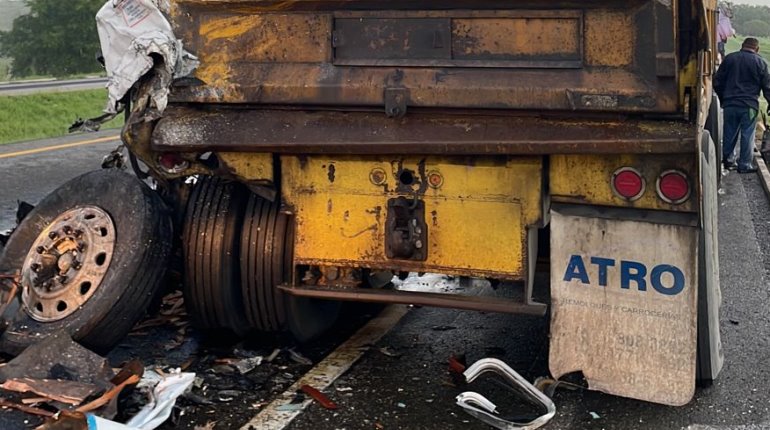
<point x="322" y="147"/>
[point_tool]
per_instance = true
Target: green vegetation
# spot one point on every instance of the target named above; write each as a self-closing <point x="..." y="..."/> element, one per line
<point x="42" y="115"/>
<point x="5" y="69"/>
<point x="734" y="44"/>
<point x="757" y="28"/>
<point x="56" y="38"/>
<point x="752" y="20"/>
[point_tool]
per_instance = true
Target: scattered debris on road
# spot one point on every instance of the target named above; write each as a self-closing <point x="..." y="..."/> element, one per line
<point x="299" y="358"/>
<point x="483" y="409"/>
<point x="75" y="388"/>
<point x="319" y="397"/>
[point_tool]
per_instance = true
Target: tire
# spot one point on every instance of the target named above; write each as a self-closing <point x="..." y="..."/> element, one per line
<point x="210" y="248"/>
<point x="710" y="357"/>
<point x="267" y="261"/>
<point x="133" y="276"/>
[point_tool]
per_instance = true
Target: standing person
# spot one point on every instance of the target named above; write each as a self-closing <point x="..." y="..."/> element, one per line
<point x="737" y="83"/>
<point x="725" y="28"/>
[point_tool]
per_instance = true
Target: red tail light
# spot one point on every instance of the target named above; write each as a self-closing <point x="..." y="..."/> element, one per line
<point x="628" y="183"/>
<point x="172" y="163"/>
<point x="673" y="186"/>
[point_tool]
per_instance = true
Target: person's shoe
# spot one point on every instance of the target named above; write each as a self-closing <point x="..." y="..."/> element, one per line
<point x="751" y="169"/>
<point x="730" y="165"/>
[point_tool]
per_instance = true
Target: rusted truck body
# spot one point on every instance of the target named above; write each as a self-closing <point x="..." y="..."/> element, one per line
<point x="322" y="144"/>
<point x="443" y="136"/>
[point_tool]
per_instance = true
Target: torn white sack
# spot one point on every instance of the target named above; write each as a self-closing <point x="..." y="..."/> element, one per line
<point x="129" y="32"/>
<point x="165" y="390"/>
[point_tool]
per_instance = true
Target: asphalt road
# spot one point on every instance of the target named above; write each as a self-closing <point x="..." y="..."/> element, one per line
<point x="29" y="175"/>
<point x="402" y="380"/>
<point x="421" y="396"/>
<point x="29" y="87"/>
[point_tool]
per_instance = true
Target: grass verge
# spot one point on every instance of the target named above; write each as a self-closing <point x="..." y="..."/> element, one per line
<point x="41" y="115"/>
<point x="734" y="44"/>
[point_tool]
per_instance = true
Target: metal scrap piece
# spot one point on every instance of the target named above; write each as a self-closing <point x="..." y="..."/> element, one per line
<point x="70" y="392"/>
<point x="481" y="408"/>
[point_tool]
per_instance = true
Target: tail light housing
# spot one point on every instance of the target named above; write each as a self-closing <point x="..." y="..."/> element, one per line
<point x="628" y="183"/>
<point x="673" y="187"/>
<point x="172" y="163"/>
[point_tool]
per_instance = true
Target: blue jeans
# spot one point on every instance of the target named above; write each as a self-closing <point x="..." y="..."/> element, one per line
<point x="739" y="121"/>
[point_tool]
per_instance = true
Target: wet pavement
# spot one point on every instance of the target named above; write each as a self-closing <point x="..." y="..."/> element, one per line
<point x="403" y="380"/>
<point x="422" y="395"/>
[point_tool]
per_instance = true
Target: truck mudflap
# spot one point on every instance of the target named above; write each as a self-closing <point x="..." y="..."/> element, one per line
<point x="624" y="305"/>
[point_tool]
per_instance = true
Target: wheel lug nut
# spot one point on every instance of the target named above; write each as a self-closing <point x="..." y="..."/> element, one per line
<point x="53" y="235"/>
<point x="76" y="265"/>
<point x="67" y="229"/>
<point x="63" y="279"/>
<point x="81" y="246"/>
<point x="78" y="233"/>
<point x="40" y="249"/>
<point x="35" y="267"/>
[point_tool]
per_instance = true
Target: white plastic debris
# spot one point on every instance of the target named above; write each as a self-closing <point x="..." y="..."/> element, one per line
<point x="165" y="390"/>
<point x="129" y="32"/>
<point x="248" y="364"/>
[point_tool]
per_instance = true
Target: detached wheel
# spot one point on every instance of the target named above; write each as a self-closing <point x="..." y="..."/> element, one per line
<point x="210" y="243"/>
<point x="92" y="256"/>
<point x="267" y="252"/>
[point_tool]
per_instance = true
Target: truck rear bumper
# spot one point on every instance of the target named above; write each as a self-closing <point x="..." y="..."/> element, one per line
<point x="333" y="132"/>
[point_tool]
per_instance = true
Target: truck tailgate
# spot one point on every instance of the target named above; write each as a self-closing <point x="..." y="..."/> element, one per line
<point x="593" y="56"/>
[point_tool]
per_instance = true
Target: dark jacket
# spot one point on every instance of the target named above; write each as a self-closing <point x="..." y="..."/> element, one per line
<point x="740" y="77"/>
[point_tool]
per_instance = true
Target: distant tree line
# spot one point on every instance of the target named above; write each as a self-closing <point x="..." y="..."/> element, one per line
<point x="56" y="38"/>
<point x="751" y="20"/>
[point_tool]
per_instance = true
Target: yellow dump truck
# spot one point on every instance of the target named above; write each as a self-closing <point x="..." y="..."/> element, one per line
<point x="319" y="148"/>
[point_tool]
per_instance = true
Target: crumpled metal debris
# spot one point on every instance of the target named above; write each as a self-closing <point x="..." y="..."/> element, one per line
<point x="131" y="33"/>
<point x="115" y="159"/>
<point x="480" y="407"/>
<point x="59" y="357"/>
<point x="94" y="124"/>
<point x="70" y="392"/>
<point x="66" y="378"/>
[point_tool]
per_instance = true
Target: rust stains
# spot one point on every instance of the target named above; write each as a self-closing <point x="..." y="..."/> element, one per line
<point x="535" y="38"/>
<point x="610" y="38"/>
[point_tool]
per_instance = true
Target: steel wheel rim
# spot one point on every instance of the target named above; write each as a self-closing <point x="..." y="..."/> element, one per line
<point x="67" y="262"/>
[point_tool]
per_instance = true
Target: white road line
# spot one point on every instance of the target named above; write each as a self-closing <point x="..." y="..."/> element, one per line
<point x="328" y="370"/>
